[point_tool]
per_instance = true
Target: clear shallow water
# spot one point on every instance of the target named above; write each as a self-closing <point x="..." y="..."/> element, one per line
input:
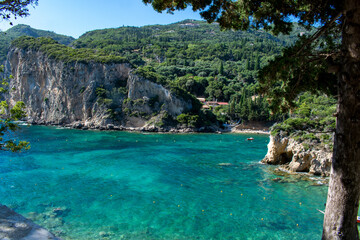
<point x="118" y="185"/>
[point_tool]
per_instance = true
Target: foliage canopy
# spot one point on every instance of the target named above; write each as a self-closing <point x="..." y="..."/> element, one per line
<point x="63" y="53"/>
<point x="24" y="30"/>
<point x="16" y="8"/>
<point x="7" y="117"/>
<point x="302" y="66"/>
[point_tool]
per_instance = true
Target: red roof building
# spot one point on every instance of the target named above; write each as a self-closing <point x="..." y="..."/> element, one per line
<point x="223" y="103"/>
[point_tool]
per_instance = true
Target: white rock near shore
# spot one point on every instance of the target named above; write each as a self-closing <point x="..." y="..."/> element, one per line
<point x="13" y="226"/>
<point x="294" y="157"/>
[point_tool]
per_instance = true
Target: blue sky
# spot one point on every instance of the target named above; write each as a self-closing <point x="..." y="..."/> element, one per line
<point x="75" y="17"/>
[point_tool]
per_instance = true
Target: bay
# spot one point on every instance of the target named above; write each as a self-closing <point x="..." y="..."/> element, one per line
<point x="120" y="185"/>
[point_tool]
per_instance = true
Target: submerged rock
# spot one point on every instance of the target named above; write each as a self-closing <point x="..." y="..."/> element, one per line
<point x="60" y="211"/>
<point x="276" y="179"/>
<point x="225" y="164"/>
<point x="103" y="234"/>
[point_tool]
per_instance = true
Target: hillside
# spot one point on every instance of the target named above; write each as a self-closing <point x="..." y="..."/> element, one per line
<point x="83" y="88"/>
<point x="199" y="58"/>
<point x="190" y="55"/>
<point x="24" y="30"/>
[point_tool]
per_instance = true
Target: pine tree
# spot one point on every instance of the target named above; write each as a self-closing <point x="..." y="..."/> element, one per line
<point x="221" y="68"/>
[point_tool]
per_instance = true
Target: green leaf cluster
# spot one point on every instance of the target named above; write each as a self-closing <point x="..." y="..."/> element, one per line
<point x="312" y="120"/>
<point x="202" y="118"/>
<point x="24" y="30"/>
<point x="8" y="116"/>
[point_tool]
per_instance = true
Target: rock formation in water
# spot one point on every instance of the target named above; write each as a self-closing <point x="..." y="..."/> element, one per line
<point x="89" y="94"/>
<point x="15" y="226"/>
<point x="293" y="156"/>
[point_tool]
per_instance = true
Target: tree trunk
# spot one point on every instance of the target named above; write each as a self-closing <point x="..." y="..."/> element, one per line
<point x="344" y="188"/>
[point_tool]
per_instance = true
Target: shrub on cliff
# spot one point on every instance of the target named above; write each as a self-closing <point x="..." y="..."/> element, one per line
<point x="59" y="52"/>
<point x="312" y="120"/>
<point x="202" y="119"/>
<point x="149" y="73"/>
<point x="181" y="93"/>
<point x="188" y="119"/>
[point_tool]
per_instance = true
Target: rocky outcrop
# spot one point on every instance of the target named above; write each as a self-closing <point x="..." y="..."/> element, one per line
<point x="142" y="88"/>
<point x="16" y="227"/>
<point x="86" y="95"/>
<point x="295" y="157"/>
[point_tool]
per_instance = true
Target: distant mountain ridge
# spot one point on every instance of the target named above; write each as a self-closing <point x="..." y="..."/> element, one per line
<point x="25" y="30"/>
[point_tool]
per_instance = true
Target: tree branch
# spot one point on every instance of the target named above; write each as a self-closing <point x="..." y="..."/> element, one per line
<point x="320" y="32"/>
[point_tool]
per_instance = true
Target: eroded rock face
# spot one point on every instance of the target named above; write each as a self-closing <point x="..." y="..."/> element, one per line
<point x="140" y="87"/>
<point x="67" y="94"/>
<point x="59" y="93"/>
<point x="295" y="158"/>
<point x="277" y="151"/>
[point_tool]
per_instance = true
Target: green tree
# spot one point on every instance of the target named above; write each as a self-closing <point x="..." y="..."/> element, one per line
<point x="8" y="114"/>
<point x="221" y="68"/>
<point x="15" y="8"/>
<point x="328" y="60"/>
<point x="7" y="117"/>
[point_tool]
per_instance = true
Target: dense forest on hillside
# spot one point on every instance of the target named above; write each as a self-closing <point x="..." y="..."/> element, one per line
<point x="190" y="55"/>
<point x="24" y="30"/>
<point x="312" y="122"/>
<point x="199" y="58"/>
<point x="189" y="48"/>
<point x="60" y="52"/>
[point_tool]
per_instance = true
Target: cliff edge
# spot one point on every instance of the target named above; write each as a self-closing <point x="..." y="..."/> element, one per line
<point x="76" y="91"/>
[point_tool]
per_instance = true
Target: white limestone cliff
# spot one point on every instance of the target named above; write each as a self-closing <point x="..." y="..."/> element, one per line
<point x="60" y="93"/>
<point x="294" y="157"/>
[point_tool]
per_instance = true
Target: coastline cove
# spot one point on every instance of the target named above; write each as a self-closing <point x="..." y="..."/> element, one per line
<point x="121" y="185"/>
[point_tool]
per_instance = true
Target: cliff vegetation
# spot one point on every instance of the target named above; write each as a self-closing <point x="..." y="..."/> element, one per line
<point x="193" y="59"/>
<point x="200" y="59"/>
<point x="24" y="30"/>
<point x="60" y="52"/>
<point x="304" y="141"/>
<point x="193" y="56"/>
<point x="312" y="123"/>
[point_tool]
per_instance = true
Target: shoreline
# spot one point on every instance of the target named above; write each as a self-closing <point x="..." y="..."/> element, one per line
<point x="250" y="131"/>
<point x="112" y="127"/>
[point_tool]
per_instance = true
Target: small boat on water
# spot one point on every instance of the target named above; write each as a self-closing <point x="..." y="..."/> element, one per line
<point x="250" y="139"/>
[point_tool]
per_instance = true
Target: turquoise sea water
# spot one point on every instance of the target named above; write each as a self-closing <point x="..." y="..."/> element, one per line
<point x="118" y="185"/>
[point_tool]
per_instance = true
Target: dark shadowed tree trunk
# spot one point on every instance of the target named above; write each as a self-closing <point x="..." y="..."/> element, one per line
<point x="344" y="189"/>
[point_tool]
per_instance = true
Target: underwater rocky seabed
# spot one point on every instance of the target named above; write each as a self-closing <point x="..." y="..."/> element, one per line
<point x="120" y="185"/>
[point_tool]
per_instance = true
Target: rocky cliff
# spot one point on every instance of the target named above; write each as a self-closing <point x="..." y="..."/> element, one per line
<point x="293" y="156"/>
<point x="87" y="94"/>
